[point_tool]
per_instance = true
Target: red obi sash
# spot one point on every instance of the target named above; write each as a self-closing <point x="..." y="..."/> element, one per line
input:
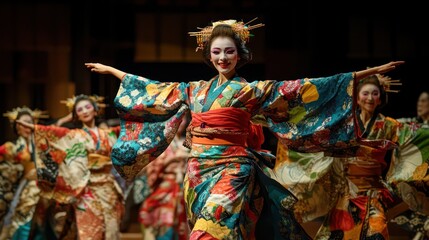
<point x="225" y="126"/>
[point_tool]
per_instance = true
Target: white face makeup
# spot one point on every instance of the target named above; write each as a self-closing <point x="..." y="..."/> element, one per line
<point x="224" y="56"/>
<point x="369" y="98"/>
<point x="24" y="131"/>
<point x="85" y="112"/>
<point x="423" y="105"/>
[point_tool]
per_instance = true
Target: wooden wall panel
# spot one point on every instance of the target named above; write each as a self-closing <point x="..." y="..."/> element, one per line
<point x="7" y="26"/>
<point x="24" y="27"/>
<point x="6" y="66"/>
<point x="45" y="26"/>
<point x="171" y="31"/>
<point x="165" y="38"/>
<point x="61" y="32"/>
<point x="59" y="87"/>
<point x="192" y="22"/>
<point x="146" y="42"/>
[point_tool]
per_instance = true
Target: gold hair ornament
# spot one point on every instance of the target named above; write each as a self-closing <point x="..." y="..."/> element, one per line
<point x="387" y="82"/>
<point x="240" y="28"/>
<point x="35" y="114"/>
<point x="98" y="100"/>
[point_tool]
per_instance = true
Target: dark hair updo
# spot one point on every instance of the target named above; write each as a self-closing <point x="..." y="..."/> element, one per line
<point x="224" y="30"/>
<point x="80" y="98"/>
<point x="18" y="116"/>
<point x="373" y="79"/>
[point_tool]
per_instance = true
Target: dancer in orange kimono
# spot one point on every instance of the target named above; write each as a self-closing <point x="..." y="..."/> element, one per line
<point x="79" y="171"/>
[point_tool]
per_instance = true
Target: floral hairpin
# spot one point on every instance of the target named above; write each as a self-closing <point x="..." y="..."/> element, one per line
<point x="36" y="114"/>
<point x="98" y="100"/>
<point x="240" y="28"/>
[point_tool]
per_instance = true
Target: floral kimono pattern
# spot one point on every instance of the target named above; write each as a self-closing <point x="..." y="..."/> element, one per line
<point x="409" y="173"/>
<point x="162" y="212"/>
<point x="354" y="193"/>
<point x="84" y="178"/>
<point x="414" y="222"/>
<point x="17" y="221"/>
<point x="410" y="177"/>
<point x="10" y="174"/>
<point x="225" y="190"/>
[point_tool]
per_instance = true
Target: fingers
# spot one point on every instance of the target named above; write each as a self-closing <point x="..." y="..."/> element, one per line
<point x="90" y="65"/>
<point x="96" y="67"/>
<point x="399" y="62"/>
<point x="396" y="63"/>
<point x="389" y="66"/>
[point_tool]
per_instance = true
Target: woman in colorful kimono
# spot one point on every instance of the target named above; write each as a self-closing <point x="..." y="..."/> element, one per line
<point x="417" y="220"/>
<point x="18" y="163"/>
<point x="354" y="193"/>
<point x="162" y="211"/>
<point x="10" y="174"/>
<point x="84" y="177"/>
<point x="225" y="189"/>
<point x="422" y="116"/>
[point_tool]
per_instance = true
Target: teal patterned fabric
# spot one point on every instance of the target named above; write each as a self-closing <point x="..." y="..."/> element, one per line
<point x="224" y="190"/>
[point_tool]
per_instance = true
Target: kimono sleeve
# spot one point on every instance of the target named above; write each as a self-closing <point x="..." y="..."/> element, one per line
<point x="70" y="153"/>
<point x="11" y="173"/>
<point x="150" y="113"/>
<point x="310" y="177"/>
<point x="408" y="171"/>
<point x="312" y="115"/>
<point x="115" y="130"/>
<point x="7" y="151"/>
<point x="48" y="133"/>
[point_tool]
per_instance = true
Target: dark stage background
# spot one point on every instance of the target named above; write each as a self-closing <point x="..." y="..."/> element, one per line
<point x="44" y="45"/>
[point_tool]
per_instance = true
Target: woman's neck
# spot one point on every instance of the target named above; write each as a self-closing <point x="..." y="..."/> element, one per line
<point x="225" y="77"/>
<point x="425" y="118"/>
<point x="26" y="138"/>
<point x="89" y="125"/>
<point x="365" y="117"/>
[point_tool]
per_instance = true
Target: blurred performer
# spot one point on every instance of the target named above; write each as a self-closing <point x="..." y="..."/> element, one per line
<point x="19" y="159"/>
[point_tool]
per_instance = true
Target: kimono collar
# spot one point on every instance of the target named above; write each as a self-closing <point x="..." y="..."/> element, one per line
<point x="215" y="91"/>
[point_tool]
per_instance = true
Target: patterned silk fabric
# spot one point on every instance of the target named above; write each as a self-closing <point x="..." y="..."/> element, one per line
<point x="354" y="193"/>
<point x="162" y="211"/>
<point x="10" y="174"/>
<point x="85" y="179"/>
<point x="20" y="213"/>
<point x="224" y="187"/>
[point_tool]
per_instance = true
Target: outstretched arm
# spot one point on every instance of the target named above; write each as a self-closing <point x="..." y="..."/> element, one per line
<point x="26" y="124"/>
<point x="377" y="70"/>
<point x="64" y="119"/>
<point x="51" y="132"/>
<point x="103" y="69"/>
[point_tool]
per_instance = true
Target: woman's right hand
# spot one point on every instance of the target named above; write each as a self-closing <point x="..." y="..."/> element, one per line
<point x="98" y="68"/>
<point x="104" y="69"/>
<point x="377" y="70"/>
<point x="67" y="118"/>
